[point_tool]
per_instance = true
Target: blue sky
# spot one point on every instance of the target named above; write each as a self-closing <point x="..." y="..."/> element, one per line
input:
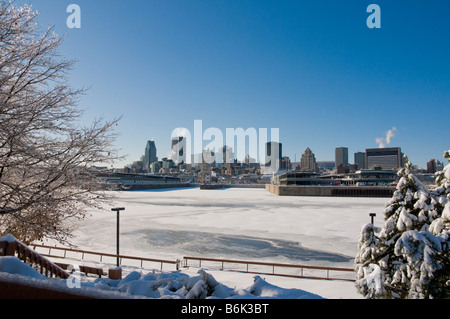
<point x="313" y="69"/>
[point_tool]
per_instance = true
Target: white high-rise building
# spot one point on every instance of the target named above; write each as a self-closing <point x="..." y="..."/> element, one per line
<point x="178" y="150"/>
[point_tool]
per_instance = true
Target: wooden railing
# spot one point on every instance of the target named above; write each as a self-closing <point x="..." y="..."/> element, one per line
<point x="265" y="268"/>
<point x="45" y="267"/>
<point x="101" y="255"/>
<point x="261" y="266"/>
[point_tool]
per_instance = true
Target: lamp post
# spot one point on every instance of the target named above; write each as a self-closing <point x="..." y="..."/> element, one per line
<point x="372" y="215"/>
<point x="118" y="209"/>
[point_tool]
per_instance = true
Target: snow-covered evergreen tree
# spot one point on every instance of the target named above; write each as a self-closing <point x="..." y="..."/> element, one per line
<point x="409" y="256"/>
<point x="441" y="226"/>
<point x="370" y="284"/>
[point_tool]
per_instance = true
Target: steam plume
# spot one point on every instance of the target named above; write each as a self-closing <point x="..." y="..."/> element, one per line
<point x="386" y="141"/>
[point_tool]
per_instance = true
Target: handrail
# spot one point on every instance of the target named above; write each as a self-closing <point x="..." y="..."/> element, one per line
<point x="83" y="252"/>
<point x="273" y="265"/>
<point x="13" y="247"/>
<point x="222" y="261"/>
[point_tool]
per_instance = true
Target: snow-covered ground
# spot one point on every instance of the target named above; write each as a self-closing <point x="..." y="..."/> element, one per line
<point x="232" y="223"/>
<point x="243" y="224"/>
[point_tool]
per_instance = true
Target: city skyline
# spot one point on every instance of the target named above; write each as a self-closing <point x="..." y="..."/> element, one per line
<point x="342" y="156"/>
<point x="313" y="70"/>
<point x="386" y="158"/>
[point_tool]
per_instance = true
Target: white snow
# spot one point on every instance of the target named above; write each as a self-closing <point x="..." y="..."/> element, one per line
<point x="154" y="285"/>
<point x="8" y="238"/>
<point x="15" y="266"/>
<point x="316" y="223"/>
<point x="203" y="223"/>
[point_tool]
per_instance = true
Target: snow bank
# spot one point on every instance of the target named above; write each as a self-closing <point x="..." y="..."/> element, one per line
<point x="263" y="289"/>
<point x="15" y="266"/>
<point x="8" y="238"/>
<point x="156" y="285"/>
<point x="177" y="285"/>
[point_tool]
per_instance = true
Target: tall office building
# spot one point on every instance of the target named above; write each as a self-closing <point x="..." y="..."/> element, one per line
<point x="341" y="156"/>
<point x="225" y="155"/>
<point x="434" y="166"/>
<point x="178" y="150"/>
<point x="308" y="161"/>
<point x="274" y="154"/>
<point x="385" y="158"/>
<point x="431" y="166"/>
<point x="149" y="155"/>
<point x="208" y="161"/>
<point x="286" y="163"/>
<point x="360" y="160"/>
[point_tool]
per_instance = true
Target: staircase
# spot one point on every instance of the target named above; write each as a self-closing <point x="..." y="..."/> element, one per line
<point x="10" y="246"/>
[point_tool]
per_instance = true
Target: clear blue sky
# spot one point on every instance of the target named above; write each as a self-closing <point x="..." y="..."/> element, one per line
<point x="313" y="69"/>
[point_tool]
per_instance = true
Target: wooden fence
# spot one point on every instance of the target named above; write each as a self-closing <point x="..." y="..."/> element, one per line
<point x="101" y="255"/>
<point x="261" y="268"/>
<point x="264" y="268"/>
<point x="37" y="261"/>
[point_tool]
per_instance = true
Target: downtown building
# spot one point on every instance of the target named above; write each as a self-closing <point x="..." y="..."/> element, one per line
<point x="360" y="160"/>
<point x="178" y="150"/>
<point x="341" y="156"/>
<point x="308" y="161"/>
<point x="149" y="156"/>
<point x="341" y="160"/>
<point x="384" y="158"/>
<point x="274" y="157"/>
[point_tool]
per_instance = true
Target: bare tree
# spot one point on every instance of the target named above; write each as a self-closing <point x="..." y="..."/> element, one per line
<point x="46" y="155"/>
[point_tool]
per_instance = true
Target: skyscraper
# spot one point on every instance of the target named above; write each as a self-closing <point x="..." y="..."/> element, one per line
<point x="341" y="156"/>
<point x="178" y="150"/>
<point x="225" y="155"/>
<point x="384" y="158"/>
<point x="274" y="156"/>
<point x="431" y="166"/>
<point x="149" y="155"/>
<point x="308" y="161"/>
<point x="360" y="160"/>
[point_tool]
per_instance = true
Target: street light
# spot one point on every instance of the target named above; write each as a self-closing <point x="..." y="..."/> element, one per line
<point x="372" y="215"/>
<point x="118" y="209"/>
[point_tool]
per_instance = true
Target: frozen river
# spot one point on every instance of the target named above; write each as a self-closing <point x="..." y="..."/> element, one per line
<point x="250" y="224"/>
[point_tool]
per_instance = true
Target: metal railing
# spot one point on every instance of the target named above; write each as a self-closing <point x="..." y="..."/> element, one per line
<point x="121" y="257"/>
<point x="255" y="267"/>
<point x="261" y="266"/>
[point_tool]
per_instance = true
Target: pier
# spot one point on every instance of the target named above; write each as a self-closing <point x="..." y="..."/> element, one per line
<point x="332" y="191"/>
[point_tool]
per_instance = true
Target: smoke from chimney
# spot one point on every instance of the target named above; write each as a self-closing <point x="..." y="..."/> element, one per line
<point x="386" y="141"/>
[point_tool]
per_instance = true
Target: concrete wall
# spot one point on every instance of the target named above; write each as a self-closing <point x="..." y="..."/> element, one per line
<point x="158" y="186"/>
<point x="338" y="191"/>
<point x="219" y="186"/>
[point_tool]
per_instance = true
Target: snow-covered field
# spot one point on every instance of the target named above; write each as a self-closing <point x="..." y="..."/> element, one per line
<point x="244" y="224"/>
<point x="237" y="223"/>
